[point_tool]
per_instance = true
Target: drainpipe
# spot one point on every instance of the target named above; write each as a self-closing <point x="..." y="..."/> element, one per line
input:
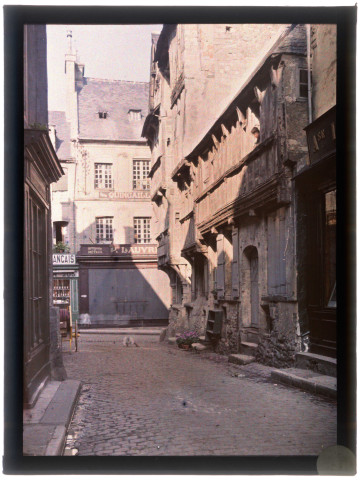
<point x="309" y="91"/>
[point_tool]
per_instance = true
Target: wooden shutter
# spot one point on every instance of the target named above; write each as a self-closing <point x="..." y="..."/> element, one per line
<point x="235" y="271"/>
<point x="220" y="265"/>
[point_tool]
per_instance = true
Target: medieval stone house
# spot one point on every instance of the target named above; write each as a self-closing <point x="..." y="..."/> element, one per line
<point x="223" y="161"/>
<point x="102" y="208"/>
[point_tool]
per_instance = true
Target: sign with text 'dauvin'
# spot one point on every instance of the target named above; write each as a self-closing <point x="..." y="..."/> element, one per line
<point x="135" y="250"/>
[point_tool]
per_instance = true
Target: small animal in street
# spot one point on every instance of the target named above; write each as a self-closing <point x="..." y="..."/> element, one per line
<point x="129" y="342"/>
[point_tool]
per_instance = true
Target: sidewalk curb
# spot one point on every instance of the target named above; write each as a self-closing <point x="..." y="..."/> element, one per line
<point x="311" y="385"/>
<point x="47" y="435"/>
<point x="57" y="443"/>
<point x="118" y="332"/>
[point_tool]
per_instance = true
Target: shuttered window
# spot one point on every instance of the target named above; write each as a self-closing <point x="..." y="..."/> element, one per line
<point x="277" y="243"/>
<point x="220" y="275"/>
<point x="235" y="270"/>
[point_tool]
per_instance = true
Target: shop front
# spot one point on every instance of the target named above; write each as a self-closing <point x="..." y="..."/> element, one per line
<point x="120" y="285"/>
<point x="65" y="290"/>
<point x="316" y="237"/>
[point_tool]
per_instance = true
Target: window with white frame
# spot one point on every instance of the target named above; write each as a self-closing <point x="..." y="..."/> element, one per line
<point x="104" y="229"/>
<point x="103" y="175"/>
<point x="141" y="229"/>
<point x="140" y="175"/>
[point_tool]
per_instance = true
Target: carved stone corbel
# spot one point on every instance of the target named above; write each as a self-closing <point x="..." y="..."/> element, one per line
<point x="224" y="130"/>
<point x="241" y="118"/>
<point x="275" y="74"/>
<point x="215" y="141"/>
<point x="259" y="94"/>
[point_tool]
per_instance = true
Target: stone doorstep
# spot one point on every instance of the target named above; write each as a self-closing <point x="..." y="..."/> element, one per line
<point x="47" y="436"/>
<point x="248" y="348"/>
<point x="307" y="380"/>
<point x="239" y="359"/>
<point x="318" y="363"/>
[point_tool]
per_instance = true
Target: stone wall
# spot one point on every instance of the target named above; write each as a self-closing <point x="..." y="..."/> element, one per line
<point x="278" y="348"/>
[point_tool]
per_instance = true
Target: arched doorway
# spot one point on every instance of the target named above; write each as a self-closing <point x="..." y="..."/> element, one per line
<point x="250" y="289"/>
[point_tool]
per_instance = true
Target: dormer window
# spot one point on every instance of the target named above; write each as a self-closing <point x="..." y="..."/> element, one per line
<point x="134" y="115"/>
<point x="103" y="114"/>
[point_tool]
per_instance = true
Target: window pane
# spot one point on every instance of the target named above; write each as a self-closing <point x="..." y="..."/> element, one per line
<point x="141" y="230"/>
<point x="140" y="175"/>
<point x="330" y="249"/>
<point x="104" y="229"/>
<point x="303" y="90"/>
<point x="103" y="175"/>
<point x="303" y="76"/>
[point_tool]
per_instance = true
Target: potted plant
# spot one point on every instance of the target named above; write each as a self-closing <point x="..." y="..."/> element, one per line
<point x="61" y="247"/>
<point x="185" y="339"/>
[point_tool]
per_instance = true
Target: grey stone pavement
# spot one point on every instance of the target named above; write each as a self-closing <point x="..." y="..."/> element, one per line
<point x="156" y="399"/>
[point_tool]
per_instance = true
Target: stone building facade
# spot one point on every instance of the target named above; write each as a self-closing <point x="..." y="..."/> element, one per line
<point x="102" y="207"/>
<point x="315" y="192"/>
<point x="41" y="168"/>
<point x="226" y="132"/>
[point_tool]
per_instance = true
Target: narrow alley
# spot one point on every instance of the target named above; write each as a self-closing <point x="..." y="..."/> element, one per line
<point x="155" y="399"/>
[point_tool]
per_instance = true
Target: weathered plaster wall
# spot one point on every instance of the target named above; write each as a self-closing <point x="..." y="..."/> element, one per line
<point x="324" y="68"/>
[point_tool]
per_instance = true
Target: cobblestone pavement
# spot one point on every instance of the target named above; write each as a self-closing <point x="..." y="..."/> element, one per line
<point x="156" y="399"/>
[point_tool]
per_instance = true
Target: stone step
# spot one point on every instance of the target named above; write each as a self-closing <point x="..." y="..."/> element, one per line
<point x="307" y="380"/>
<point x="200" y="347"/>
<point x="172" y="340"/>
<point x="203" y="341"/>
<point x="317" y="363"/>
<point x="248" y="348"/>
<point x="240" y="359"/>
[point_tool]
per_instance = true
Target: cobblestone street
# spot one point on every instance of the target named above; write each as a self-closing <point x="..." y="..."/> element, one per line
<point x="156" y="399"/>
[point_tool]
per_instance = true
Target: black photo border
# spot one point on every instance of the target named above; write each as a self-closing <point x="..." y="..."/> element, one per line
<point x="14" y="19"/>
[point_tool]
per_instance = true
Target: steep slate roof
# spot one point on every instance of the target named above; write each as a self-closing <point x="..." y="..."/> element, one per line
<point x="62" y="129"/>
<point x="116" y="97"/>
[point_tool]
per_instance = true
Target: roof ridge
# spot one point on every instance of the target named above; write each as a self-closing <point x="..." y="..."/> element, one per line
<point x="114" y="80"/>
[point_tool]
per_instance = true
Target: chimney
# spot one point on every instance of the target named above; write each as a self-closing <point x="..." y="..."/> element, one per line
<point x="69" y="36"/>
<point x="71" y="110"/>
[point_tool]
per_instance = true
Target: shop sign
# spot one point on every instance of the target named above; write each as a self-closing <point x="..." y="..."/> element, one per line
<point x="95" y="250"/>
<point x="142" y="195"/>
<point x="126" y="250"/>
<point x="65" y="274"/>
<point x="64" y="259"/>
<point x="321" y="136"/>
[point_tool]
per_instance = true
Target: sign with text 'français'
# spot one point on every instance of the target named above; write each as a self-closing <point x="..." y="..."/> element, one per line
<point x="64" y="259"/>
